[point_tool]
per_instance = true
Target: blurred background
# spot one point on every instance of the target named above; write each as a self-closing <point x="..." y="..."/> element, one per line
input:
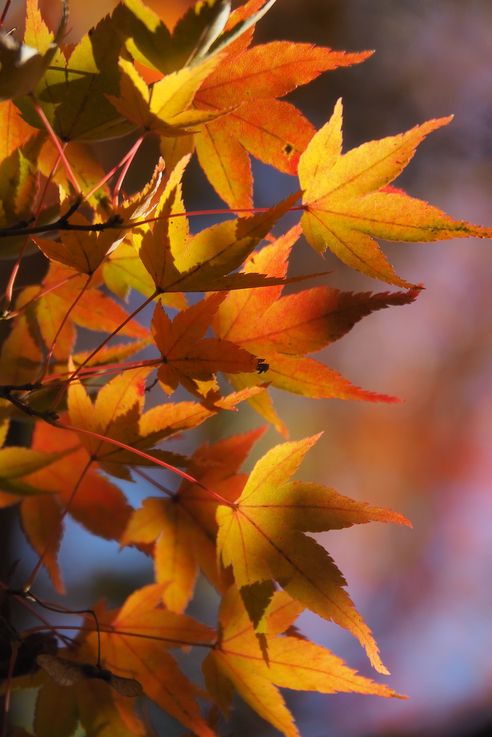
<point x="426" y="593"/>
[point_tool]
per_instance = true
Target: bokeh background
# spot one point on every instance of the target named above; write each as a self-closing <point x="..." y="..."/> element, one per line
<point x="426" y="593"/>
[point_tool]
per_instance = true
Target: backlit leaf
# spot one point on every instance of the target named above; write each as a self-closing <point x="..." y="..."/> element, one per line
<point x="292" y="662"/>
<point x="348" y="203"/>
<point x="262" y="538"/>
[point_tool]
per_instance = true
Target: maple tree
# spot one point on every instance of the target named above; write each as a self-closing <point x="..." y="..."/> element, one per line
<point x="228" y="323"/>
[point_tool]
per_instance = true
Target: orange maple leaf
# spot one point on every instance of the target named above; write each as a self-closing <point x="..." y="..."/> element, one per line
<point x="282" y="329"/>
<point x="274" y="131"/>
<point x="184" y="526"/>
<point x="256" y="667"/>
<point x="348" y="203"/>
<point x="135" y="641"/>
<point x="190" y="359"/>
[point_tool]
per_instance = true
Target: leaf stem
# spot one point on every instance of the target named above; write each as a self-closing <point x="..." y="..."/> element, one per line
<point x="5" y="12"/>
<point x="103" y="369"/>
<point x="124" y="446"/>
<point x="57" y="145"/>
<point x="126" y="165"/>
<point x="156" y="484"/>
<point x="217" y="497"/>
<point x="27" y="605"/>
<point x="58" y="609"/>
<point x="129" y="154"/>
<point x="41" y="293"/>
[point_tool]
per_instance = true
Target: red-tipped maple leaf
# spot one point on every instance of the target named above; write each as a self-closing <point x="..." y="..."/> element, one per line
<point x="282" y="329"/>
<point x="190" y="359"/>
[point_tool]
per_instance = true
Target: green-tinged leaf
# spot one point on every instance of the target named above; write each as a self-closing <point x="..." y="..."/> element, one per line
<point x="21" y="64"/>
<point x="262" y="544"/>
<point x="74" y="92"/>
<point x="349" y="204"/>
<point x="164" y="107"/>
<point x="17" y="463"/>
<point x="197" y="35"/>
<point x="18" y="185"/>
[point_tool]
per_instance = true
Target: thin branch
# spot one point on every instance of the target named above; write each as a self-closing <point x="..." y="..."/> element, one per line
<point x="168" y="492"/>
<point x="107" y="629"/>
<point x="115" y="223"/>
<point x="58" y="609"/>
<point x="124" y="446"/>
<point x="20" y="595"/>
<point x="41" y="293"/>
<point x="8" y="694"/>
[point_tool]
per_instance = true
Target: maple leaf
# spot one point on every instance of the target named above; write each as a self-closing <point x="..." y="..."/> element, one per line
<point x="188" y="357"/>
<point x="261" y="537"/>
<point x="98" y="504"/>
<point x="16" y="463"/>
<point x="238" y="662"/>
<point x="184" y="526"/>
<point x="16" y="131"/>
<point x="21" y="65"/>
<point x="19" y="356"/>
<point x="348" y="202"/>
<point x="203" y="262"/>
<point x="59" y="709"/>
<point x="273" y="131"/>
<point x="165" y="107"/>
<point x="198" y="86"/>
<point x="5" y="408"/>
<point x="73" y="91"/>
<point x="136" y="640"/>
<point x="123" y="270"/>
<point x="172" y="418"/>
<point x="281" y="329"/>
<point x="18" y="186"/>
<point x="82" y="251"/>
<point x="117" y="415"/>
<point x="65" y="292"/>
<point x="203" y="30"/>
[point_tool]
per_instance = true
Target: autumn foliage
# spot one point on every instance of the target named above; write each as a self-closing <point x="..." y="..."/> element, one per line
<point x="228" y="322"/>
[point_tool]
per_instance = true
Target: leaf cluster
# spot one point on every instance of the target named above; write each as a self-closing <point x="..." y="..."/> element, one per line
<point x="228" y="323"/>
